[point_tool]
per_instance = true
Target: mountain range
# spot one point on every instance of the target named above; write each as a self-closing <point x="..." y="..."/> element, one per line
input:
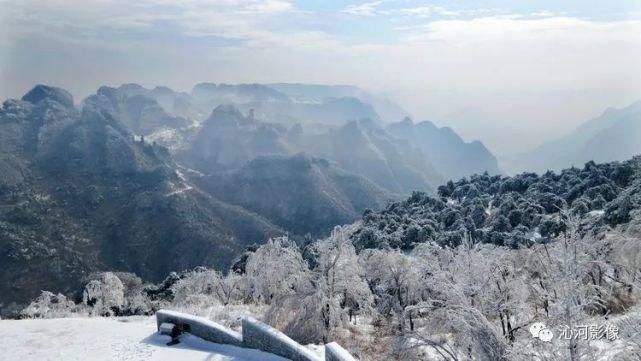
<point x="450" y="154"/>
<point x="612" y="136"/>
<point x="79" y="194"/>
<point x="292" y="118"/>
<point x="153" y="180"/>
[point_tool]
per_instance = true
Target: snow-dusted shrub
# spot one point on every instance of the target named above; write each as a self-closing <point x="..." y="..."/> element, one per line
<point x="477" y="301"/>
<point x="230" y="315"/>
<point x="49" y="305"/>
<point x="105" y="295"/>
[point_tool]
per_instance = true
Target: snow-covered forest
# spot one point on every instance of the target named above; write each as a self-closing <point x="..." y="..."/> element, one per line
<point x="515" y="211"/>
<point x="472" y="301"/>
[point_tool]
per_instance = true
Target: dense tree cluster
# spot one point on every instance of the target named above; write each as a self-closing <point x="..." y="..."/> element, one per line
<point x="510" y="211"/>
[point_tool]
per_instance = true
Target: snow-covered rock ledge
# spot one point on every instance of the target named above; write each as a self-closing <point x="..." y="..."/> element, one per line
<point x="255" y="335"/>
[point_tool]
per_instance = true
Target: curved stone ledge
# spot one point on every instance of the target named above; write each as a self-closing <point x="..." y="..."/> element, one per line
<point x="334" y="352"/>
<point x="266" y="338"/>
<point x="255" y="334"/>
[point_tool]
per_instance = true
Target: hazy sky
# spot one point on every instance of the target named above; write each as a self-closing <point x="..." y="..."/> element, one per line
<point x="508" y="73"/>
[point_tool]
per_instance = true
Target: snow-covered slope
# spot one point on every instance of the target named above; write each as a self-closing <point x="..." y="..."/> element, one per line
<point x="108" y="339"/>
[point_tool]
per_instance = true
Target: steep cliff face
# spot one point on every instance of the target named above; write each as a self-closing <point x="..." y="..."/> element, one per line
<point x="299" y="193"/>
<point x="228" y="139"/>
<point x="138" y="110"/>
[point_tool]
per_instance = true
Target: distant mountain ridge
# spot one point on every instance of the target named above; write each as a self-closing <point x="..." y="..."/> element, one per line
<point x="272" y="105"/>
<point x="320" y="108"/>
<point x="452" y="156"/>
<point x="228" y="140"/>
<point x="609" y="137"/>
<point x="384" y="107"/>
<point x="281" y="109"/>
<point x="313" y="109"/>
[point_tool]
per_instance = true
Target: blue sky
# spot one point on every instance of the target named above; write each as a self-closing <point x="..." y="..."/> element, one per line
<point x="378" y="19"/>
<point x="499" y="71"/>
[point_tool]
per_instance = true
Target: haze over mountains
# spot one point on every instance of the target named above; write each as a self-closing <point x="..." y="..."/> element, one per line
<point x="612" y="136"/>
<point x="332" y="122"/>
<point x="153" y="180"/>
<point x="448" y="152"/>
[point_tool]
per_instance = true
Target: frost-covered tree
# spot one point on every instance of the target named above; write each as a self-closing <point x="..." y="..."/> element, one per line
<point x="452" y="326"/>
<point x="501" y="210"/>
<point x="104" y="295"/>
<point x="568" y="285"/>
<point x="197" y="289"/>
<point x="335" y="291"/>
<point x="471" y="293"/>
<point x="397" y="282"/>
<point x="277" y="269"/>
<point x="339" y="280"/>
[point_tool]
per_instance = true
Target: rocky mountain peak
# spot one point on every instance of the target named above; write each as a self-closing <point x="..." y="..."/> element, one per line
<point x="43" y="92"/>
<point x="227" y="113"/>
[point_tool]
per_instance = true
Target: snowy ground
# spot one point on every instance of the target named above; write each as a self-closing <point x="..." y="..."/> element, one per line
<point x="98" y="339"/>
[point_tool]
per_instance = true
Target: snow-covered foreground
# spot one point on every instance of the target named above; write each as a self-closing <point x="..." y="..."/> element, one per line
<point x="125" y="339"/>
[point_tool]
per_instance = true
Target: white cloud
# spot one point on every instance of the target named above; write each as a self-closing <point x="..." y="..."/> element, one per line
<point x="72" y="19"/>
<point x="374" y="8"/>
<point x="426" y="11"/>
<point x="546" y="14"/>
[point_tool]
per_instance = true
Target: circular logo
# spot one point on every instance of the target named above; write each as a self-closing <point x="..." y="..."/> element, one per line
<point x="540" y="331"/>
<point x="536" y="328"/>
